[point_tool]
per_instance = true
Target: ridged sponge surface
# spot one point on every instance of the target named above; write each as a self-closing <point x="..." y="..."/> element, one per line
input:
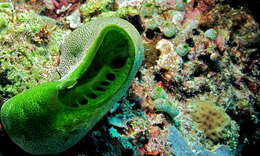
<point x="78" y="43"/>
<point x="99" y="60"/>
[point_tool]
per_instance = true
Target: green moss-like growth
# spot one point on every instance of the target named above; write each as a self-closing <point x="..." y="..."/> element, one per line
<point x="93" y="7"/>
<point x="2" y="22"/>
<point x="105" y="8"/>
<point x="29" y="51"/>
<point x="98" y="62"/>
<point x="159" y="93"/>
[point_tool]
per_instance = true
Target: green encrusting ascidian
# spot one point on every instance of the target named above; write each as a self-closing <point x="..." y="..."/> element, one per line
<point x="98" y="62"/>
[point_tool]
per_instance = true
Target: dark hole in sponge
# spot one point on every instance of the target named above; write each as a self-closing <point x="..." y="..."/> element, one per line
<point x="83" y="101"/>
<point x="92" y="95"/>
<point x="110" y="76"/>
<point x="105" y="83"/>
<point x="118" y="62"/>
<point x="100" y="89"/>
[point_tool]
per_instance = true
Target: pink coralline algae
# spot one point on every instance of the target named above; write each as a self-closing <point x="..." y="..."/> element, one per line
<point x="61" y="8"/>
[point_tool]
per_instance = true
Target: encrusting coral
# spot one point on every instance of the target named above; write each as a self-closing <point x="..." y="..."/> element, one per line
<point x="210" y="118"/>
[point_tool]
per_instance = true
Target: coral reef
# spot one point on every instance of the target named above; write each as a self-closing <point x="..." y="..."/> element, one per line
<point x="196" y="52"/>
<point x="29" y="51"/>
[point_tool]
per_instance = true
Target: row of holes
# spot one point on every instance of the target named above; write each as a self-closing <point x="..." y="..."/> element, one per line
<point x="110" y="77"/>
<point x="117" y="63"/>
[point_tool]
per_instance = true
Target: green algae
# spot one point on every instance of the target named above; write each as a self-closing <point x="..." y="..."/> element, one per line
<point x="24" y="58"/>
<point x="3" y="22"/>
<point x="105" y="8"/>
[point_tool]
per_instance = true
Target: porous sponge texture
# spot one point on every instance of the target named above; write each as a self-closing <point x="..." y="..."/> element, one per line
<point x="79" y="43"/>
<point x="210" y="118"/>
